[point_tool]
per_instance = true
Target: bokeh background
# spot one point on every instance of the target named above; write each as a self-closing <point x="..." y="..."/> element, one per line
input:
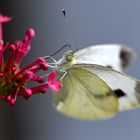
<point x="88" y="22"/>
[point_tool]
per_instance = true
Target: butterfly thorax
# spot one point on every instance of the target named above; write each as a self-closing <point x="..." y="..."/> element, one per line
<point x="66" y="61"/>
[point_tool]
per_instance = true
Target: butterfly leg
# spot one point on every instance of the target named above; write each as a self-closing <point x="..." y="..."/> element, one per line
<point x="53" y="64"/>
<point x="63" y="74"/>
<point x="46" y="57"/>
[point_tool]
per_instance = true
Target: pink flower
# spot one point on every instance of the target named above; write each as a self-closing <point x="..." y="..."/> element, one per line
<point x="3" y="19"/>
<point x="53" y="84"/>
<point x="13" y="79"/>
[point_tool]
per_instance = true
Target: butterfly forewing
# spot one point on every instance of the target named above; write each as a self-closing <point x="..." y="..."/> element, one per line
<point x="114" y="56"/>
<point x="126" y="88"/>
<point x="85" y="96"/>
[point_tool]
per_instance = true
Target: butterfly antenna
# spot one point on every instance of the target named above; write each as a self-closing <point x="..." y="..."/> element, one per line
<point x="68" y="25"/>
<point x="66" y="45"/>
<point x="51" y="56"/>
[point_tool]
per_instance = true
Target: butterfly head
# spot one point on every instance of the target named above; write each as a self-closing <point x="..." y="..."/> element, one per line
<point x="66" y="61"/>
<point x="69" y="55"/>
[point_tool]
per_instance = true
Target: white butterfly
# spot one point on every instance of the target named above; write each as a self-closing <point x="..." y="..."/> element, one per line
<point x="94" y="86"/>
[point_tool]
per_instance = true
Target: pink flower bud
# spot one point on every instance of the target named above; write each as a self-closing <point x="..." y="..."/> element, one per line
<point x="30" y="32"/>
<point x="12" y="102"/>
<point x="4" y="18"/>
<point x="1" y="75"/>
<point x="28" y="92"/>
<point x="29" y="74"/>
<point x="53" y="84"/>
<point x="44" y="66"/>
<point x="40" y="60"/>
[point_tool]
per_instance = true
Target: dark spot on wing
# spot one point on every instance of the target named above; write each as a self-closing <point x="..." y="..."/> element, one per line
<point x="119" y="93"/>
<point x="125" y="56"/>
<point x="137" y="91"/>
<point x="137" y="88"/>
<point x="109" y="66"/>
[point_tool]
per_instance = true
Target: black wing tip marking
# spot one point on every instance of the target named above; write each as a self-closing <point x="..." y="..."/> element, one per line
<point x="126" y="56"/>
<point x="137" y="88"/>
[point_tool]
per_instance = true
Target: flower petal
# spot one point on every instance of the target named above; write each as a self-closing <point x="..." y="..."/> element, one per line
<point x="52" y="76"/>
<point x="54" y="85"/>
<point x="4" y="18"/>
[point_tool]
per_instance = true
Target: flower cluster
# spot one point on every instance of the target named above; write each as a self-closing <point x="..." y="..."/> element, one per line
<point x="14" y="80"/>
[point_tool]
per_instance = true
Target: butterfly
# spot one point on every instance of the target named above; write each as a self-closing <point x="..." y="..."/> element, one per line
<point x="93" y="83"/>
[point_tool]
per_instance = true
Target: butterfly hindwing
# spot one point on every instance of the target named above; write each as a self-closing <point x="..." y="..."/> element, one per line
<point x="114" y="56"/>
<point x="85" y="96"/>
<point x="126" y="88"/>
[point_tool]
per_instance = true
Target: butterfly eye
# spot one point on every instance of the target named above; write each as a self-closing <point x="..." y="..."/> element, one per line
<point x="69" y="56"/>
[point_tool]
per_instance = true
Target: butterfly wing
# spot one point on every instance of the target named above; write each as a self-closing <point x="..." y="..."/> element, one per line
<point x="85" y="96"/>
<point x="125" y="87"/>
<point x="114" y="56"/>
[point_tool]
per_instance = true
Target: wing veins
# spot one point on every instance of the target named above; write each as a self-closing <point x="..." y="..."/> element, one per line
<point x="91" y="100"/>
<point x="91" y="96"/>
